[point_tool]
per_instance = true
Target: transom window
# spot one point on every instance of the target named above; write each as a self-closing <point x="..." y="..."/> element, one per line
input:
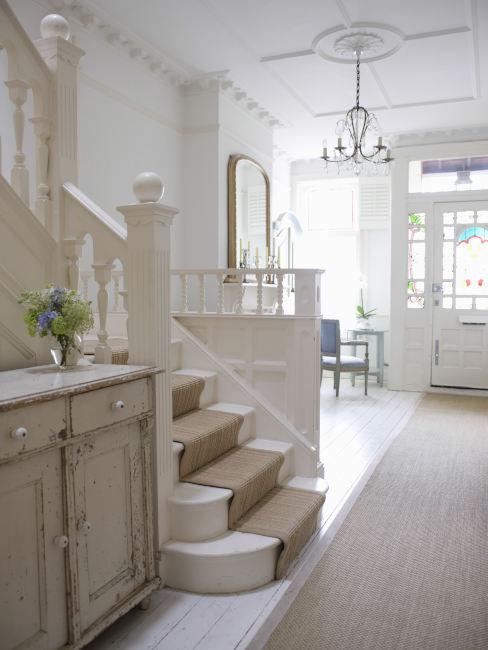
<point x="448" y="175"/>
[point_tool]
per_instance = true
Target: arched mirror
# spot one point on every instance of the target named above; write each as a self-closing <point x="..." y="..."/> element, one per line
<point x="248" y="212"/>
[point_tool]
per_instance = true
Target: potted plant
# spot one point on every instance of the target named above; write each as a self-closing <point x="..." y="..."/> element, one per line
<point x="62" y="314"/>
<point x="363" y="316"/>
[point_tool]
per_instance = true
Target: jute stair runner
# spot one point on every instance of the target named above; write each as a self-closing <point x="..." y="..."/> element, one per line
<point x="186" y="393"/>
<point x="212" y="457"/>
<point x="205" y="435"/>
<point x="286" y="513"/>
<point x="249" y="473"/>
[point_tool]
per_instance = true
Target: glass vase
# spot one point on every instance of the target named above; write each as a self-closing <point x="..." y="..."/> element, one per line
<point x="67" y="354"/>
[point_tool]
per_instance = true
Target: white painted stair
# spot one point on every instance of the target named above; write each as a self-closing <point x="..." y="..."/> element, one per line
<point x="203" y="556"/>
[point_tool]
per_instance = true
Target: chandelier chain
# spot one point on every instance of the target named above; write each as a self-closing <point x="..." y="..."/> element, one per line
<point x="358" y="79"/>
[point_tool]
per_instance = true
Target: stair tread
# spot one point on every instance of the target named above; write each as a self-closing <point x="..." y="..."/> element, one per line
<point x="249" y="473"/>
<point x="191" y="493"/>
<point x="268" y="445"/>
<point x="186" y="391"/>
<point x="309" y="484"/>
<point x="286" y="513"/>
<point x="205" y="435"/>
<point x="230" y="543"/>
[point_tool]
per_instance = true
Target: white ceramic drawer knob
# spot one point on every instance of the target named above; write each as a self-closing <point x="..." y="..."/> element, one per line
<point x="61" y="541"/>
<point x="84" y="525"/>
<point x="118" y="405"/>
<point x="20" y="433"/>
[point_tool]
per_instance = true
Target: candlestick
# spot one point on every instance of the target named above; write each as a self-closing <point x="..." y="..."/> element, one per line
<point x="240" y="250"/>
<point x="339" y="143"/>
<point x="380" y="142"/>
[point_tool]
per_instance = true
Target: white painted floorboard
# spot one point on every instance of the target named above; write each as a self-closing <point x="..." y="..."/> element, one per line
<point x="355" y="432"/>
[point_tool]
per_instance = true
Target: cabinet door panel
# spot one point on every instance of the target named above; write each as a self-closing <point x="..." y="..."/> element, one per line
<point x="32" y="574"/>
<point x="109" y="507"/>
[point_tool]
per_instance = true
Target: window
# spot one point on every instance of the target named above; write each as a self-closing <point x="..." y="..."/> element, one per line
<point x="465" y="260"/>
<point x="416" y="261"/>
<point x="449" y="175"/>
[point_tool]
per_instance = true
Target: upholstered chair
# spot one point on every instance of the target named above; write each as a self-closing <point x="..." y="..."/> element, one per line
<point x="332" y="359"/>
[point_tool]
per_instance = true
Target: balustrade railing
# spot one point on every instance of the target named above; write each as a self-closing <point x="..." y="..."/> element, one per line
<point x="262" y="292"/>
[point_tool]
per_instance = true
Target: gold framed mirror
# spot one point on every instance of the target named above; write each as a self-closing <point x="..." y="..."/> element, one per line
<point x="248" y="211"/>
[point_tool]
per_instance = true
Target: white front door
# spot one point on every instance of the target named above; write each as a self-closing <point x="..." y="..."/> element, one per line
<point x="460" y="295"/>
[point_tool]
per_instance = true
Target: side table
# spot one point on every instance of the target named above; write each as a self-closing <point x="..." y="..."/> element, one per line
<point x="379" y="371"/>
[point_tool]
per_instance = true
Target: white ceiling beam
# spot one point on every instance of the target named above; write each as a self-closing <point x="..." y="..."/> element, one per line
<point x="437" y="34"/>
<point x="286" y="55"/>
<point x="472" y="13"/>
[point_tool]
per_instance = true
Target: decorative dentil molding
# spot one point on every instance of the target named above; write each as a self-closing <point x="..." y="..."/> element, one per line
<point x="220" y="81"/>
<point x="157" y="63"/>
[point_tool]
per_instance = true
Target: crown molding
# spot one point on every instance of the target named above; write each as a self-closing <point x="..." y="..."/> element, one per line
<point x="412" y="138"/>
<point x="158" y="63"/>
<point x="221" y="82"/>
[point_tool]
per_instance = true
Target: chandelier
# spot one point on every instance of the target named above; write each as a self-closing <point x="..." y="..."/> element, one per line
<point x="354" y="129"/>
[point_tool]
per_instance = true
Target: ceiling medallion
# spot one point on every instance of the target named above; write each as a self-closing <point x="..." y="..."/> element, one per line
<point x="377" y="41"/>
<point x="367" y="42"/>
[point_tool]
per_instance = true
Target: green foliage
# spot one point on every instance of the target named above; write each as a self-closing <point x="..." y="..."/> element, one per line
<point x="55" y="311"/>
<point x="364" y="314"/>
<point x="416" y="220"/>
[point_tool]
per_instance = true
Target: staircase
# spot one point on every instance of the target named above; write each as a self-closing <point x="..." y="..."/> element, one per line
<point x="239" y="516"/>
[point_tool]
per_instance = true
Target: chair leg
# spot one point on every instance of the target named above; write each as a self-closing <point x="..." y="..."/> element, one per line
<point x="366" y="382"/>
<point x="337" y="379"/>
<point x="353" y="379"/>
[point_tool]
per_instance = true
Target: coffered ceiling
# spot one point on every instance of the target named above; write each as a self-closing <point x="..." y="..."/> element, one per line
<point x="434" y="74"/>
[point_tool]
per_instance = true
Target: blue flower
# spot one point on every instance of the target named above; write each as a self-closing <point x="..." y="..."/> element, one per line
<point x="45" y="319"/>
<point x="57" y="297"/>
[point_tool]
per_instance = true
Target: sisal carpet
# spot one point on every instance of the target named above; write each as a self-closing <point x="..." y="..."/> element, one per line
<point x="206" y="435"/>
<point x="289" y="515"/>
<point x="186" y="391"/>
<point x="249" y="473"/>
<point x="408" y="569"/>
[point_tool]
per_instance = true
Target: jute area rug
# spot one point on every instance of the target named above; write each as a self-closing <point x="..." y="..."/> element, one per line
<point x="408" y="568"/>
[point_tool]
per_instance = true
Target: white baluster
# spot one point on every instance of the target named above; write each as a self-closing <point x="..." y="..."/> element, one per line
<point x="220" y="292"/>
<point x="42" y="130"/>
<point x="240" y="293"/>
<point x="125" y="302"/>
<point x="259" y="296"/>
<point x="116" y="276"/>
<point x="184" y="292"/>
<point x="85" y="278"/>
<point x="20" y="174"/>
<point x="73" y="249"/>
<point x="201" y="306"/>
<point x="103" y="351"/>
<point x="279" y="291"/>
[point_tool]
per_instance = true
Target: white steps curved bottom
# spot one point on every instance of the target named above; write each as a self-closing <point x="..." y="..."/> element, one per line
<point x="248" y="426"/>
<point x="230" y="563"/>
<point x="309" y="484"/>
<point x="198" y="512"/>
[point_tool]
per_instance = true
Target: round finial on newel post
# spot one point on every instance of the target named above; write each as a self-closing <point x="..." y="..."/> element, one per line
<point x="148" y="187"/>
<point x="55" y="25"/>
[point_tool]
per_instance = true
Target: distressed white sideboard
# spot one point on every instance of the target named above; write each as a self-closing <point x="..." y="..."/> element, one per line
<point x="76" y="528"/>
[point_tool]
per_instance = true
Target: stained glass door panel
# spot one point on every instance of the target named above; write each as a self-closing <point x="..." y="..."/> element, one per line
<point x="460" y="304"/>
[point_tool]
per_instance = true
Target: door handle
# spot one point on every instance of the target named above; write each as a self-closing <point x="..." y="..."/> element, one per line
<point x="436" y="352"/>
<point x="465" y="322"/>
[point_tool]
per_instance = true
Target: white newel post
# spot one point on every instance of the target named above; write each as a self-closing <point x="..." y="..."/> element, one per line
<point x="20" y="174"/>
<point x="62" y="58"/>
<point x="103" y="351"/>
<point x="307" y="293"/>
<point x="148" y="285"/>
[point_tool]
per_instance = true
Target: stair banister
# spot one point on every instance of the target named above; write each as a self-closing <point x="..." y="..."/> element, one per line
<point x="147" y="277"/>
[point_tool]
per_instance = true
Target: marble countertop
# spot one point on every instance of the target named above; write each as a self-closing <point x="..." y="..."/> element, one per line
<point x="40" y="383"/>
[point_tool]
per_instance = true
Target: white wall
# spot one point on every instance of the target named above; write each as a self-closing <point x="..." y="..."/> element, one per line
<point x="129" y="121"/>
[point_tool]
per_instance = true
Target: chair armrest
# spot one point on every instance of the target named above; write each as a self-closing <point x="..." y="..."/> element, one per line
<point x="354" y="343"/>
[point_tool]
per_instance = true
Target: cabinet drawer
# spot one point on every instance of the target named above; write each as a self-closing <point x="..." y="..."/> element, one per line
<point x="106" y="406"/>
<point x="32" y="427"/>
